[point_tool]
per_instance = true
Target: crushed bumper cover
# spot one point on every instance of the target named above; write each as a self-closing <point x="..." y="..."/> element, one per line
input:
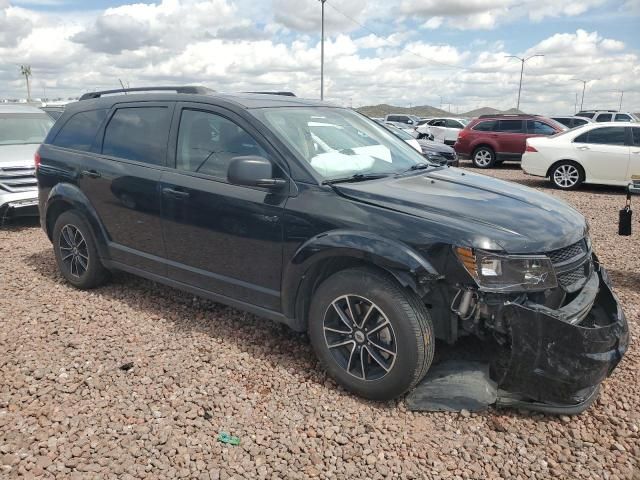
<point x="18" y="204"/>
<point x="560" y="357"/>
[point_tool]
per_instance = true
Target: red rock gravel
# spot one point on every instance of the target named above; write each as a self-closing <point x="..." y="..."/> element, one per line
<point x="68" y="410"/>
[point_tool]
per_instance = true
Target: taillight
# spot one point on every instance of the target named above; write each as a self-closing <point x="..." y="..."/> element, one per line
<point x="36" y="159"/>
<point x="530" y="149"/>
<point x="462" y="134"/>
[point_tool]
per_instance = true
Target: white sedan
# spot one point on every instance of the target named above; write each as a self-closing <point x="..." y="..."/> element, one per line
<point x="443" y="130"/>
<point x="605" y="153"/>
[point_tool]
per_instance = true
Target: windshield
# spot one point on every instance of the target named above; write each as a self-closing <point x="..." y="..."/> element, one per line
<point x="337" y="142"/>
<point x="21" y="129"/>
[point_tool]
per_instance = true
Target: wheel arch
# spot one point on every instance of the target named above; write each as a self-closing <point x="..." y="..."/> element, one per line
<point x="566" y="160"/>
<point x="66" y="196"/>
<point x="328" y="253"/>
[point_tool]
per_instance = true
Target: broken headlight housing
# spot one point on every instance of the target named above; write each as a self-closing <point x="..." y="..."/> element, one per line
<point x="494" y="272"/>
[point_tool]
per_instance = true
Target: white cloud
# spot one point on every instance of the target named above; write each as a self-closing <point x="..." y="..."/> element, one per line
<point x="433" y="23"/>
<point x="228" y="46"/>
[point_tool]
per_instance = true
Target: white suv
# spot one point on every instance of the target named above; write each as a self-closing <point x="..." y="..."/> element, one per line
<point x="608" y="116"/>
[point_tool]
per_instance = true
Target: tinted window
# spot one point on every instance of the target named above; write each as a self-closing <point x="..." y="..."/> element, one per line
<point x="397" y="118"/>
<point x="510" y="126"/>
<point x="80" y="130"/>
<point x="622" y="117"/>
<point x="587" y="114"/>
<point x="636" y="136"/>
<point x="487" y="126"/>
<point x="454" y="124"/>
<point x="207" y="142"/>
<point x="537" y="127"/>
<point x="603" y="136"/>
<point x="604" y="117"/>
<point x="138" y="133"/>
<point x="578" y="121"/>
<point x="564" y="121"/>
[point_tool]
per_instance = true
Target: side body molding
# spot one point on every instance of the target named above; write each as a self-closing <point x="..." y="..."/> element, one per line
<point x="407" y="265"/>
<point x="67" y="193"/>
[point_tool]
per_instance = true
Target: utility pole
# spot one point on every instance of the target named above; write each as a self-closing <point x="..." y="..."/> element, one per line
<point x="26" y="71"/>
<point x="621" y="95"/>
<point x="522" y="60"/>
<point x="584" y="87"/>
<point x="322" y="2"/>
<point x="575" y="106"/>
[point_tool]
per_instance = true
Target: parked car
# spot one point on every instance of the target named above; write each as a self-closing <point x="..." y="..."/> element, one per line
<point x="634" y="186"/>
<point x="572" y="121"/>
<point x="434" y="151"/>
<point x="605" y="153"/>
<point x="444" y="130"/>
<point x="491" y="139"/>
<point x="22" y="129"/>
<point x="402" y="118"/>
<point x="608" y="116"/>
<point x="370" y="249"/>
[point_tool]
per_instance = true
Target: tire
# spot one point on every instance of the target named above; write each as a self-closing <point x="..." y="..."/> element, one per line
<point x="483" y="157"/>
<point x="75" y="251"/>
<point x="566" y="175"/>
<point x="391" y="322"/>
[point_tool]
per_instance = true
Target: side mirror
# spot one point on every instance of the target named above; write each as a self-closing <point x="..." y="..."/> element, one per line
<point x="410" y="122"/>
<point x="253" y="171"/>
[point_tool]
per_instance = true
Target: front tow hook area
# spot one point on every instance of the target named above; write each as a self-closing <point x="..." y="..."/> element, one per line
<point x="554" y="366"/>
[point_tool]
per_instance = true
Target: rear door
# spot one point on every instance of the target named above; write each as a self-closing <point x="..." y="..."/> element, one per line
<point x="604" y="153"/>
<point x="223" y="238"/>
<point x="452" y="129"/>
<point x="511" y="137"/>
<point x="122" y="182"/>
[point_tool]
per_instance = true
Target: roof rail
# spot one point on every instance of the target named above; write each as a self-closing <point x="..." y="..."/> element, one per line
<point x="184" y="89"/>
<point x="508" y="115"/>
<point x="285" y="94"/>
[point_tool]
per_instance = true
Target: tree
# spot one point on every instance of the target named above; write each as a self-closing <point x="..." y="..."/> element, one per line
<point x="26" y="71"/>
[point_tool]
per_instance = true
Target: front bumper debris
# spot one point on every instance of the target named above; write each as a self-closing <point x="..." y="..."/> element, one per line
<point x="560" y="357"/>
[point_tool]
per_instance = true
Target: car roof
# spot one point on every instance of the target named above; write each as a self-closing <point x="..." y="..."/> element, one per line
<point x="18" y="108"/>
<point x="242" y="100"/>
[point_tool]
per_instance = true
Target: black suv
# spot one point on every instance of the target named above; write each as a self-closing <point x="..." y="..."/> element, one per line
<point x="317" y="217"/>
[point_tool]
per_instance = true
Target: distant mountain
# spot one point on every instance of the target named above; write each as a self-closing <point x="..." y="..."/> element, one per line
<point x="385" y="109"/>
<point x="428" y="111"/>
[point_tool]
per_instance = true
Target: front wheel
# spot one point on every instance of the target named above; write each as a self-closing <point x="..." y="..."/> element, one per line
<point x="567" y="175"/>
<point x="483" y="157"/>
<point x="371" y="335"/>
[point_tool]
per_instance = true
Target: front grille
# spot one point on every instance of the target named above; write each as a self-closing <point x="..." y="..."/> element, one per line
<point x="572" y="265"/>
<point x="18" y="179"/>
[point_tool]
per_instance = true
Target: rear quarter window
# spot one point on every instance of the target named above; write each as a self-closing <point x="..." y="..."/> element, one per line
<point x="79" y="132"/>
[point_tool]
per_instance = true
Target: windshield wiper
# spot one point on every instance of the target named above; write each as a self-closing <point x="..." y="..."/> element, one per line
<point x="358" y="177"/>
<point x="418" y="166"/>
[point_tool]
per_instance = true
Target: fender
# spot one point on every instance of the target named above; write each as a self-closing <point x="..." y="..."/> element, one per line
<point x="407" y="265"/>
<point x="71" y="194"/>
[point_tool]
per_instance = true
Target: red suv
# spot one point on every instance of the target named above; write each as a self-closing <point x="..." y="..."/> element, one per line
<point x="491" y="139"/>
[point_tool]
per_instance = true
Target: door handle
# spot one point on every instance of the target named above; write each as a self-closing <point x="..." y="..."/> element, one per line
<point x="91" y="173"/>
<point x="172" y="192"/>
<point x="584" y="148"/>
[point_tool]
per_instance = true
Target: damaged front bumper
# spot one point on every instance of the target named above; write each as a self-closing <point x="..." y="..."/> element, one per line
<point x="558" y="358"/>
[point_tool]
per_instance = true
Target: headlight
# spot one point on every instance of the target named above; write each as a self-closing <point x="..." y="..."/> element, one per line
<point x="508" y="273"/>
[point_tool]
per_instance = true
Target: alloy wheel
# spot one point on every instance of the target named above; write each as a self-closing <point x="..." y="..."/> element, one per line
<point x="360" y="337"/>
<point x="483" y="158"/>
<point x="73" y="250"/>
<point x="566" y="176"/>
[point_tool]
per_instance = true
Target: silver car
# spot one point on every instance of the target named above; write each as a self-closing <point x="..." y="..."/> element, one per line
<point x="22" y="129"/>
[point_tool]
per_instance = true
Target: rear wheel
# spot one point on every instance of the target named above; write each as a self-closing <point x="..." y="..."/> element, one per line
<point x="76" y="253"/>
<point x="371" y="335"/>
<point x="483" y="157"/>
<point x="567" y="175"/>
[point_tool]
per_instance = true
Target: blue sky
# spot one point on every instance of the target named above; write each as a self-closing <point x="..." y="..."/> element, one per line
<point x="392" y="51"/>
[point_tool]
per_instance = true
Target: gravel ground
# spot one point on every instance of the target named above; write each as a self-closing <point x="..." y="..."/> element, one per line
<point x="68" y="409"/>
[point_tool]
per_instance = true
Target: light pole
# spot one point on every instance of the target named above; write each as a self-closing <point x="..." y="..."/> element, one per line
<point x="322" y="2"/>
<point x="522" y="60"/>
<point x="584" y="87"/>
<point x="26" y="71"/>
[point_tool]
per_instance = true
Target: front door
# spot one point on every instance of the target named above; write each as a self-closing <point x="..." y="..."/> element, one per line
<point x="121" y="180"/>
<point x="220" y="237"/>
<point x="604" y="153"/>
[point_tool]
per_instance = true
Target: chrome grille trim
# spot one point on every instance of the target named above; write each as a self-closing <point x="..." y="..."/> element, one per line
<point x="18" y="179"/>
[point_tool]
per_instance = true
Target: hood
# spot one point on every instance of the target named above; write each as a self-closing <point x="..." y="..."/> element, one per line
<point x="432" y="146"/>
<point x="470" y="209"/>
<point x="17" y="155"/>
